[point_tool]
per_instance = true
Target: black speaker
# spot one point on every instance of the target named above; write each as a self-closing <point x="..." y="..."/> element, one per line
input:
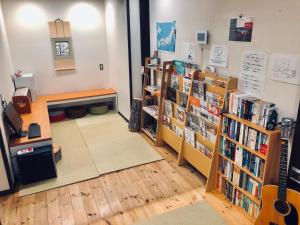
<point x="294" y="165"/>
<point x="37" y="165"/>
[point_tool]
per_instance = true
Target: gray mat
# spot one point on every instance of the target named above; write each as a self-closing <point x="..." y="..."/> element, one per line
<point x="197" y="214"/>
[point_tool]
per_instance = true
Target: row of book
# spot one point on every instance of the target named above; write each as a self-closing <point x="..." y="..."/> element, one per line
<point x="250" y="108"/>
<point x="177" y="130"/>
<point x="240" y="179"/>
<point x="205" y="111"/>
<point x="238" y="198"/>
<point x="182" y="98"/>
<point x="179" y="112"/>
<point x="242" y="157"/>
<point x="190" y="138"/>
<point x="197" y="124"/>
<point x="245" y="135"/>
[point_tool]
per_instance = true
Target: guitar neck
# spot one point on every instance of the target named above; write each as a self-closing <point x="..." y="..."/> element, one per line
<point x="283" y="171"/>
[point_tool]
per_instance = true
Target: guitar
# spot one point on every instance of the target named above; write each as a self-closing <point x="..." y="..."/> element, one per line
<point x="280" y="205"/>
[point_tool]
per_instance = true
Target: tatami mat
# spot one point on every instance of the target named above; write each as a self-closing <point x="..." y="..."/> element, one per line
<point x="92" y="146"/>
<point x="112" y="146"/>
<point x="197" y="214"/>
<point x="76" y="164"/>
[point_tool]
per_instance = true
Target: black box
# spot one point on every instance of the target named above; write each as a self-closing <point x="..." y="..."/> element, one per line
<point x="37" y="165"/>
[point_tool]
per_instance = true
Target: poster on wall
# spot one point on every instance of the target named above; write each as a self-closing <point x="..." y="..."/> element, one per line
<point x="253" y="72"/>
<point x="218" y="56"/>
<point x="241" y="29"/>
<point x="285" y="68"/>
<point x="166" y="36"/>
<point x="188" y="53"/>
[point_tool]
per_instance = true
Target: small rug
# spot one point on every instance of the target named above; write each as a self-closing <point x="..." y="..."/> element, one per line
<point x="112" y="146"/>
<point x="197" y="214"/>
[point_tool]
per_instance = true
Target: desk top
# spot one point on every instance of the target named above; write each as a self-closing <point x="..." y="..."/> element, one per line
<point x="39" y="113"/>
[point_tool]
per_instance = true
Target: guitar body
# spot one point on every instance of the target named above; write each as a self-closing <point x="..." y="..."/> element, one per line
<point x="269" y="215"/>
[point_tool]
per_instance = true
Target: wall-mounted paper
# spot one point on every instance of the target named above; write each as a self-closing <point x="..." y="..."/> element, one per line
<point x="188" y="52"/>
<point x="285" y="68"/>
<point x="166" y="36"/>
<point x="253" y="72"/>
<point x="218" y="55"/>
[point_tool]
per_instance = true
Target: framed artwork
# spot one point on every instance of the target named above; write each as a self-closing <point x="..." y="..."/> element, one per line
<point x="241" y="29"/>
<point x="166" y="36"/>
<point x="62" y="48"/>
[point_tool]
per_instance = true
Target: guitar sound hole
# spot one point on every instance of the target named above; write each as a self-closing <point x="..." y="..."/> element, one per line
<point x="282" y="208"/>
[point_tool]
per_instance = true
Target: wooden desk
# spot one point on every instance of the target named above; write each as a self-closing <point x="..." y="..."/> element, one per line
<point x="39" y="114"/>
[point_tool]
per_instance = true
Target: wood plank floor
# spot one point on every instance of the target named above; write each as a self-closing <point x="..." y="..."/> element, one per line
<point x="118" y="198"/>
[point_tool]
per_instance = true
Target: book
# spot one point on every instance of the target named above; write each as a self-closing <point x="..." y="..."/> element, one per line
<point x="174" y="81"/>
<point x="168" y="108"/>
<point x="187" y="82"/>
<point x="189" y="136"/>
<point x="183" y="98"/>
<point x="171" y="94"/>
<point x="180" y="113"/>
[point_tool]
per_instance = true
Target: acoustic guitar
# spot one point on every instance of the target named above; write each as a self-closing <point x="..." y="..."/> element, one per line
<point x="280" y="205"/>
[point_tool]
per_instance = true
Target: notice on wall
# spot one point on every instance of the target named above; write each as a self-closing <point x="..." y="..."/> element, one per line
<point x="241" y="29"/>
<point x="218" y="56"/>
<point x="253" y="72"/>
<point x="285" y="68"/>
<point x="188" y="52"/>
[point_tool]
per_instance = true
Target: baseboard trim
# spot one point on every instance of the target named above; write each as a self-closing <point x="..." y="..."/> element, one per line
<point x="123" y="117"/>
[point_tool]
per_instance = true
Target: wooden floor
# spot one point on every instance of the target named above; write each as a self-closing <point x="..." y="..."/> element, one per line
<point x="118" y="198"/>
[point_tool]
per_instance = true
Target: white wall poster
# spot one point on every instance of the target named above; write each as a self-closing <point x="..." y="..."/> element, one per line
<point x="188" y="53"/>
<point x="218" y="56"/>
<point x="253" y="72"/>
<point x="285" y="68"/>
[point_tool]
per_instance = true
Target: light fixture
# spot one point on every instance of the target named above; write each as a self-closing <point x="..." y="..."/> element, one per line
<point x="31" y="16"/>
<point x="110" y="17"/>
<point x="84" y="16"/>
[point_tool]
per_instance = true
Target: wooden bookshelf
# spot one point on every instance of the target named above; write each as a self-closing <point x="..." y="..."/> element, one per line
<point x="206" y="164"/>
<point x="268" y="175"/>
<point x="153" y="76"/>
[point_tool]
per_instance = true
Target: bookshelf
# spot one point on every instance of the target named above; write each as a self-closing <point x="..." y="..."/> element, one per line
<point x="180" y="103"/>
<point x="152" y="86"/>
<point x="247" y="156"/>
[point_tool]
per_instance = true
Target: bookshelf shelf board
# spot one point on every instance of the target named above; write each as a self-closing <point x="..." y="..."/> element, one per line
<point x="244" y="192"/>
<point x="155" y="68"/>
<point x="200" y="161"/>
<point x="146" y="110"/>
<point x="177" y="122"/>
<point x="205" y="141"/>
<point x="206" y="120"/>
<point x="248" y="172"/>
<point x="257" y="153"/>
<point x="251" y="124"/>
<point x="171" y="138"/>
<point x="148" y="134"/>
<point x="221" y="196"/>
<point x="175" y="104"/>
<point x="153" y="92"/>
<point x="249" y="195"/>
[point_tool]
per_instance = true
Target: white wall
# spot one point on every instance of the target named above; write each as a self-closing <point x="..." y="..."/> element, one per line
<point x="190" y="16"/>
<point x="135" y="48"/>
<point x="6" y="90"/>
<point x="276" y="29"/>
<point x="28" y="34"/>
<point x="117" y="44"/>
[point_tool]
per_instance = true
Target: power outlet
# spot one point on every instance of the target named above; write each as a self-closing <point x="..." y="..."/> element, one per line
<point x="101" y="67"/>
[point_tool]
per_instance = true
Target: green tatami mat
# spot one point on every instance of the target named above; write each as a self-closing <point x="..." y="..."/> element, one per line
<point x="197" y="214"/>
<point x="76" y="164"/>
<point x="112" y="146"/>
